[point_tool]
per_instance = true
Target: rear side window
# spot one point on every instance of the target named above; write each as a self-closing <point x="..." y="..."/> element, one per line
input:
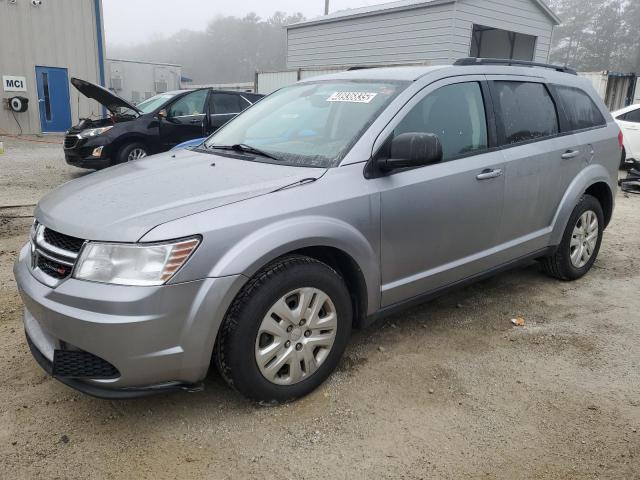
<point x="632" y="116"/>
<point x="526" y="111"/>
<point x="581" y="111"/>
<point x="454" y="113"/>
<point x="227" y="103"/>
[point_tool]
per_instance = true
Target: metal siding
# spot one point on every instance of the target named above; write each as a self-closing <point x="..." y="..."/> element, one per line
<point x="56" y="34"/>
<point x="141" y="76"/>
<point x="269" y="82"/>
<point x="419" y="34"/>
<point x="522" y="16"/>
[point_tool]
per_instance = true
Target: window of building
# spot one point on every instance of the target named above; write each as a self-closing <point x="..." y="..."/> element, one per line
<point x="526" y="111"/>
<point x="488" y="42"/>
<point x="454" y="113"/>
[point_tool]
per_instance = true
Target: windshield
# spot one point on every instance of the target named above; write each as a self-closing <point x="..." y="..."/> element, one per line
<point x="151" y="104"/>
<point x="311" y="125"/>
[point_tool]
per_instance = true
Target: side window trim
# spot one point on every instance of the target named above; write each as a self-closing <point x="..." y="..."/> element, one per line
<point x="502" y="145"/>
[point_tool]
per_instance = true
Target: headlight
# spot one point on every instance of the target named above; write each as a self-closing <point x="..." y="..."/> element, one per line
<point x="133" y="264"/>
<point x="94" y="132"/>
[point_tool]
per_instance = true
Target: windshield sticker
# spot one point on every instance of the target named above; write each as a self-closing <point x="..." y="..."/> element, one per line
<point x="352" y="97"/>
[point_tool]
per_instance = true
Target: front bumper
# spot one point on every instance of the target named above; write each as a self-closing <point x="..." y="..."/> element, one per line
<point x="81" y="154"/>
<point x="158" y="338"/>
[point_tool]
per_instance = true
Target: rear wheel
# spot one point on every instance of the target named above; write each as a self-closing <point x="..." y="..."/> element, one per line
<point x="580" y="244"/>
<point x="131" y="151"/>
<point x="286" y="331"/>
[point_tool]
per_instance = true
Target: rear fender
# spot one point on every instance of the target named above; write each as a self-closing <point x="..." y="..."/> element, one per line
<point x="589" y="176"/>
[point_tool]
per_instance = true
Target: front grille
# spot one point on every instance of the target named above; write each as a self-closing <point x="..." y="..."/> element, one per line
<point x="70" y="141"/>
<point x="52" y="268"/>
<point x="80" y="364"/>
<point x="62" y="241"/>
<point x="54" y="253"/>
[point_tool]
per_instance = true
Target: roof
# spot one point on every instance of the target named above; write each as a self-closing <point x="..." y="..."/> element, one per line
<point x="143" y="63"/>
<point x="398" y="5"/>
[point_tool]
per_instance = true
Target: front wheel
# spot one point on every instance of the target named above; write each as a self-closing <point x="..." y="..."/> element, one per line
<point x="286" y="331"/>
<point x="580" y="244"/>
<point x="131" y="152"/>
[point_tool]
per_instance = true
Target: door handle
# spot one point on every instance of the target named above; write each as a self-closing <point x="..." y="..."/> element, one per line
<point x="195" y="122"/>
<point x="570" y="154"/>
<point x="489" y="174"/>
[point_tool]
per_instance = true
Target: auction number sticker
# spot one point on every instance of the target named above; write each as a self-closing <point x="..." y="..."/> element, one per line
<point x="352" y="97"/>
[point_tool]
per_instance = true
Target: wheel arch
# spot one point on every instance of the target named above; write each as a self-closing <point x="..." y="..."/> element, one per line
<point x="594" y="180"/>
<point x="328" y="240"/>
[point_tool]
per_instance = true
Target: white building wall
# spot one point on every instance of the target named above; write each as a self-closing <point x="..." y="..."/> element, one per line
<point x="137" y="81"/>
<point x="401" y="36"/>
<point x="58" y="33"/>
<point x="435" y="32"/>
<point x="521" y="16"/>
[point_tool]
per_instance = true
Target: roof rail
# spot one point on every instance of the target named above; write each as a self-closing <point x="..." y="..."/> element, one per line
<point x="498" y="61"/>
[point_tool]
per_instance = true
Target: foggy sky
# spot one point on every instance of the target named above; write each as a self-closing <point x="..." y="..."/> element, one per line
<point x="135" y="21"/>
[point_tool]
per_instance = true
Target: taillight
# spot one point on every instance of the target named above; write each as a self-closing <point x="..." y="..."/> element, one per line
<point x="621" y="140"/>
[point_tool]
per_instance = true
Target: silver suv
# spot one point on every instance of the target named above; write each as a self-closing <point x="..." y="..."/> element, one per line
<point x="323" y="207"/>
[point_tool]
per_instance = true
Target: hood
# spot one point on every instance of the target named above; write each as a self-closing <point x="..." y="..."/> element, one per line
<point x="103" y="96"/>
<point x="124" y="202"/>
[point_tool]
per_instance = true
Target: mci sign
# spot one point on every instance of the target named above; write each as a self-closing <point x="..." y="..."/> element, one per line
<point x="14" y="84"/>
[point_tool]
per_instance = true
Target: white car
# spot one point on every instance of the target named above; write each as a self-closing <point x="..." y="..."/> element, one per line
<point x="629" y="121"/>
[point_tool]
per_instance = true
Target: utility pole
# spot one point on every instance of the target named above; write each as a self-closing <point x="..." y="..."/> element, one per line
<point x="326" y="7"/>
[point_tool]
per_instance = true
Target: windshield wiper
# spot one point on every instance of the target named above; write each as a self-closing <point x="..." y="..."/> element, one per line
<point x="244" y="148"/>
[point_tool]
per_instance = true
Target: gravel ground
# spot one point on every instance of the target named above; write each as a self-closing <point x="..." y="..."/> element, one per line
<point x="446" y="390"/>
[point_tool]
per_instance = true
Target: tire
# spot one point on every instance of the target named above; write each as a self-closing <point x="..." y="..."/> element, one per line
<point x="560" y="265"/>
<point x="129" y="150"/>
<point x="242" y="339"/>
<point x="623" y="160"/>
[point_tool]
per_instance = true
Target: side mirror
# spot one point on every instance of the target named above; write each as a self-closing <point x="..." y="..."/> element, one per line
<point x="162" y="114"/>
<point x="410" y="150"/>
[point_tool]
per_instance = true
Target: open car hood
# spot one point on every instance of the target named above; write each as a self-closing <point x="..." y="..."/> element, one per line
<point x="103" y="96"/>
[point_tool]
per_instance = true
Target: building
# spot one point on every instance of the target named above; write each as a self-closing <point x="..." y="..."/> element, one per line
<point x="428" y="31"/>
<point x="136" y="81"/>
<point x="45" y="43"/>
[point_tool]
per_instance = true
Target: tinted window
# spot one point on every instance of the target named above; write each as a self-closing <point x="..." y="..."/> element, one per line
<point x="579" y="108"/>
<point x="456" y="114"/>
<point x="191" y="104"/>
<point x="225" y="103"/>
<point x="526" y="111"/>
<point x="632" y="116"/>
<point x="252" y="97"/>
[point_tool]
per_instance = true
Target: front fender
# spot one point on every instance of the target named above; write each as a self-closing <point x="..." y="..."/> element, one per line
<point x="591" y="175"/>
<point x="262" y="246"/>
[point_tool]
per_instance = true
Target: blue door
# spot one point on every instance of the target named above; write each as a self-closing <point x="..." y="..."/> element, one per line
<point x="53" y="99"/>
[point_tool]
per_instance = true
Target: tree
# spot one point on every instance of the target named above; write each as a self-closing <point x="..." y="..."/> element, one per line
<point x="230" y="50"/>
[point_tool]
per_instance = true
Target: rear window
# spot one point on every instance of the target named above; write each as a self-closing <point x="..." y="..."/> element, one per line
<point x="580" y="110"/>
<point x="526" y="111"/>
<point x="632" y="116"/>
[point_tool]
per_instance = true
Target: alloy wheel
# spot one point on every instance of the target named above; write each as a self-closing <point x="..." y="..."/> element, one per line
<point x="584" y="239"/>
<point x="136" y="154"/>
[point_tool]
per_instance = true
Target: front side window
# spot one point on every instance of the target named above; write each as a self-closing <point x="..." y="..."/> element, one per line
<point x="526" y="111"/>
<point x="454" y="113"/>
<point x="154" y="102"/>
<point x="309" y="124"/>
<point x="189" y="105"/>
<point x="580" y="110"/>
